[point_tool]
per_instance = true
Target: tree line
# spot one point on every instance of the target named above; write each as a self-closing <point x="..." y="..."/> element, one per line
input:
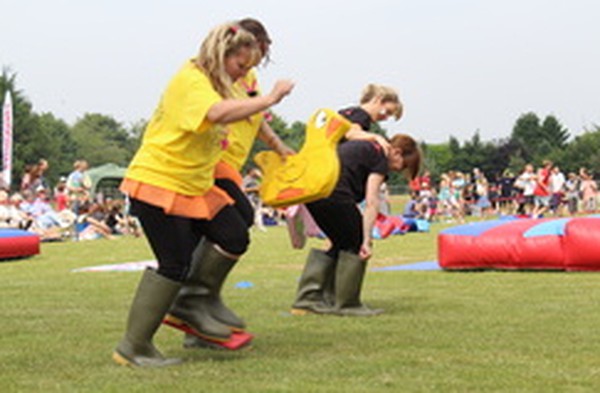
<point x="99" y="139"/>
<point x="531" y="140"/>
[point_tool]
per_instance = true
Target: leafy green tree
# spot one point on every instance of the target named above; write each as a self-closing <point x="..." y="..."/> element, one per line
<point x="292" y="135"/>
<point x="135" y="133"/>
<point x="460" y="160"/>
<point x="583" y="151"/>
<point x="100" y="139"/>
<point x="59" y="148"/>
<point x="554" y="132"/>
<point x="377" y="129"/>
<point x="526" y="136"/>
<point x="508" y="156"/>
<point x="295" y="135"/>
<point x="475" y="153"/>
<point x="533" y="141"/>
<point x="437" y="158"/>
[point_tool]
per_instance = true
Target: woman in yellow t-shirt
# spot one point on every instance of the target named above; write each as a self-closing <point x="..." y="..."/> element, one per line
<point x="206" y="263"/>
<point x="171" y="185"/>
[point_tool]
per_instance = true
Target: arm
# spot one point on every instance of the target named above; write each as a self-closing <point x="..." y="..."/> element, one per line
<point x="372" y="201"/>
<point x="99" y="226"/>
<point x="232" y="110"/>
<point x="356" y="133"/>
<point x="268" y="135"/>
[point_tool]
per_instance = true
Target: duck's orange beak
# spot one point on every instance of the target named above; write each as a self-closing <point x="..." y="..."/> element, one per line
<point x="290" y="193"/>
<point x="334" y="124"/>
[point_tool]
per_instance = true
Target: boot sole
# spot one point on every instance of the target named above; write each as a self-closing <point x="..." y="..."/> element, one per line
<point x="121" y="360"/>
<point x="301" y="312"/>
<point x="238" y="341"/>
<point x="179" y="324"/>
<point x="236" y="329"/>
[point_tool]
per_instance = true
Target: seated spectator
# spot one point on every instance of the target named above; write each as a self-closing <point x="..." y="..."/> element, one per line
<point x="25" y="201"/>
<point x="120" y="223"/>
<point x="413" y="208"/>
<point x="91" y="223"/>
<point x="10" y="215"/>
<point x="47" y="222"/>
<point x="432" y="206"/>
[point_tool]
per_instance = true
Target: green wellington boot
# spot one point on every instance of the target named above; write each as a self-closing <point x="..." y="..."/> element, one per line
<point x="153" y="298"/>
<point x="213" y="269"/>
<point x="350" y="273"/>
<point x="316" y="285"/>
<point x="329" y="286"/>
<point x="199" y="303"/>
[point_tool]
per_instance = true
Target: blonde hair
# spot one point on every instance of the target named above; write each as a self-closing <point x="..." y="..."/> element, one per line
<point x="223" y="41"/>
<point x="411" y="154"/>
<point x="79" y="163"/>
<point x="385" y="93"/>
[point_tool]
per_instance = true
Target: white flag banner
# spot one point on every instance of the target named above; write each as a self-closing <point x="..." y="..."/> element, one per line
<point x="7" y="139"/>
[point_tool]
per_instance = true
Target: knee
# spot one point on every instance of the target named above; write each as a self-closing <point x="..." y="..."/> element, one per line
<point x="236" y="243"/>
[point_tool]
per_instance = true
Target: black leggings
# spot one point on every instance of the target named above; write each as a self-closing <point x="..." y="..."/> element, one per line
<point x="174" y="238"/>
<point x="342" y="222"/>
<point x="242" y="204"/>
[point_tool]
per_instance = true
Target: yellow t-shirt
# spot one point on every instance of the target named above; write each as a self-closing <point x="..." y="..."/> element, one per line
<point x="243" y="133"/>
<point x="181" y="147"/>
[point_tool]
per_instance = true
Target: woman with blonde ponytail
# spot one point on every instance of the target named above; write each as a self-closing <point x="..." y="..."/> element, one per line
<point x="331" y="282"/>
<point x="377" y="103"/>
<point x="171" y="185"/>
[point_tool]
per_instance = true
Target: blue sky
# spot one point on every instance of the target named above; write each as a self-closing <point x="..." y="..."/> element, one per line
<point x="460" y="66"/>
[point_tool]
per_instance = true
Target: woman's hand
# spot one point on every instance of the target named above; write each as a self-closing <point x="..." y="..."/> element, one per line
<point x="268" y="136"/>
<point x="281" y="89"/>
<point x="366" y="250"/>
<point x="385" y="145"/>
<point x="284" y="150"/>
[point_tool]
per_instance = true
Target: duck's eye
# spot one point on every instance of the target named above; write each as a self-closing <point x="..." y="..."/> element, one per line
<point x="321" y="119"/>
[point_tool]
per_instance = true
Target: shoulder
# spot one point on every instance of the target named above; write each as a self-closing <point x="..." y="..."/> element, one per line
<point x="357" y="115"/>
<point x="361" y="149"/>
<point x="190" y="86"/>
<point x="190" y="75"/>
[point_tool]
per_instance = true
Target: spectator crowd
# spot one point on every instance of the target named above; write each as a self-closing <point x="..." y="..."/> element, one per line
<point x="542" y="192"/>
<point x="68" y="211"/>
<point x="65" y="211"/>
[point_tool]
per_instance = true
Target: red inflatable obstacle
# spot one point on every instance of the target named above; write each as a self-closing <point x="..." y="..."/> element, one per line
<point x="15" y="243"/>
<point x="527" y="244"/>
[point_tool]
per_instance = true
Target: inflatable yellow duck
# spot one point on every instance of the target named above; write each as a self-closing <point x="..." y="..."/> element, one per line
<point x="310" y="174"/>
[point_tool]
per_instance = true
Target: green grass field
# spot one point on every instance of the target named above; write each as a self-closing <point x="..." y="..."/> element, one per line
<point x="442" y="332"/>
